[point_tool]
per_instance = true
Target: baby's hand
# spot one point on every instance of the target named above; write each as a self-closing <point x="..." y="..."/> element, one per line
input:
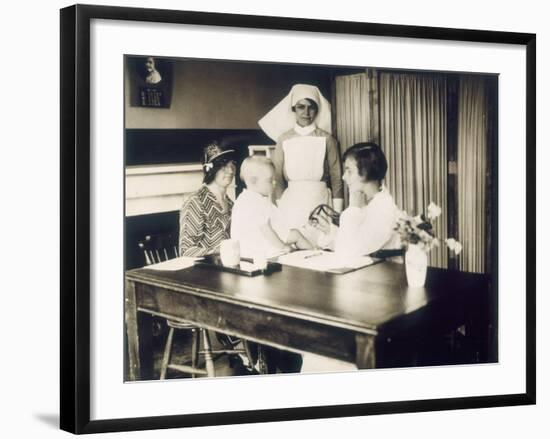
<point x="305" y="244"/>
<point x="287" y="248"/>
<point x="301" y="241"/>
<point x="293" y="236"/>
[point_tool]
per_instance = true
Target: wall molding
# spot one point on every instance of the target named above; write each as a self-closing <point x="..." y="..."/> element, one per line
<point x="161" y="188"/>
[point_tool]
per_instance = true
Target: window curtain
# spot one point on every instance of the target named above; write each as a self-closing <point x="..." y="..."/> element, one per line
<point x="356" y="109"/>
<point x="413" y="135"/>
<point x="472" y="173"/>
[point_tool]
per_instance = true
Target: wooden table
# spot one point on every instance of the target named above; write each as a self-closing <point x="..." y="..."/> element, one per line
<point x="359" y="317"/>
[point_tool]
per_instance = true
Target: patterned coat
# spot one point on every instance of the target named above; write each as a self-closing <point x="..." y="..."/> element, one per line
<point x="203" y="224"/>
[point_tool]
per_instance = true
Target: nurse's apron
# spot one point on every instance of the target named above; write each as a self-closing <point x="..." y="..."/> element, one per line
<point x="304" y="158"/>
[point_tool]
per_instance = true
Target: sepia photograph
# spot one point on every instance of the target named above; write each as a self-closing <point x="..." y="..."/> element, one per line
<point x="289" y="218"/>
<point x="275" y="219"/>
<point x="269" y="218"/>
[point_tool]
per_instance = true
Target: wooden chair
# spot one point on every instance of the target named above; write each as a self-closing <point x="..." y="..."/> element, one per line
<point x="265" y="150"/>
<point x="160" y="248"/>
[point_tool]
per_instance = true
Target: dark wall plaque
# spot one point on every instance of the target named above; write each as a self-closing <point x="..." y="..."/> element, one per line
<point x="150" y="80"/>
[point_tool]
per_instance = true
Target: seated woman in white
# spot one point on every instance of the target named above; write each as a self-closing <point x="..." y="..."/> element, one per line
<point x="368" y="224"/>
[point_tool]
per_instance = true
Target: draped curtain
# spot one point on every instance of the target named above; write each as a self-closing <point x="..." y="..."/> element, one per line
<point x="406" y="113"/>
<point x="472" y="173"/>
<point x="356" y="109"/>
<point x="413" y="135"/>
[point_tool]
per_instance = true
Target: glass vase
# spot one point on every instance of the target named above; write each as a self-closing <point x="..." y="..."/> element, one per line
<point x="416" y="265"/>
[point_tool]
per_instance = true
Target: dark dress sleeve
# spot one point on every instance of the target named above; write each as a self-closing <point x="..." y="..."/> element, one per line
<point x="334" y="168"/>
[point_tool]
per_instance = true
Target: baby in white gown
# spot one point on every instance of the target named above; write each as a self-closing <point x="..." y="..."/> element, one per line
<point x="255" y="221"/>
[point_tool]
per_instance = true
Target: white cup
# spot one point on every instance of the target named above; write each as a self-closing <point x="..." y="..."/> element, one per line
<point x="260" y="261"/>
<point x="230" y="252"/>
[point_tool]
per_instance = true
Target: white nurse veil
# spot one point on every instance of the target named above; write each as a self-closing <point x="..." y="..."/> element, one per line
<point x="281" y="118"/>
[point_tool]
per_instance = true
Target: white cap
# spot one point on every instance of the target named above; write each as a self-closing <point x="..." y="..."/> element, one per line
<point x="281" y="118"/>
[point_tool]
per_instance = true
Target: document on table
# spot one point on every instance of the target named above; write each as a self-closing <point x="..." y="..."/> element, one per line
<point x="175" y="264"/>
<point x="320" y="260"/>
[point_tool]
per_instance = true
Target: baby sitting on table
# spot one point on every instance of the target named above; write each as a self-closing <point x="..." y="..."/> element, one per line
<point x="255" y="221"/>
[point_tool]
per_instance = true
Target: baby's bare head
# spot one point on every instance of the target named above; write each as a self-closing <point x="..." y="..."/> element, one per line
<point x="257" y="173"/>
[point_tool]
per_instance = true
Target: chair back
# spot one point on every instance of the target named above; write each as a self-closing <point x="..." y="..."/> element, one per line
<point x="159" y="248"/>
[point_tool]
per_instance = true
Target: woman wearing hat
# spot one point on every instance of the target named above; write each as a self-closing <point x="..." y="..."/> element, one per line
<point x="205" y="221"/>
<point x="205" y="218"/>
<point x="306" y="157"/>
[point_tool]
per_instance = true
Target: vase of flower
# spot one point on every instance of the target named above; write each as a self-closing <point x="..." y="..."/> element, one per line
<point x="416" y="265"/>
<point x="418" y="237"/>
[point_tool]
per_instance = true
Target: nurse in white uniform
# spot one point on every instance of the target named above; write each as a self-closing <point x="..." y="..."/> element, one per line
<point x="308" y="170"/>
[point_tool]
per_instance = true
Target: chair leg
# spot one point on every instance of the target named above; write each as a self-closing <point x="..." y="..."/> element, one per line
<point x="263" y="367"/>
<point x="208" y="354"/>
<point x="167" y="352"/>
<point x="195" y="346"/>
<point x="248" y="352"/>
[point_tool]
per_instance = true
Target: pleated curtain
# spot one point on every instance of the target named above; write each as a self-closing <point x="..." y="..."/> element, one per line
<point x="413" y="135"/>
<point x="472" y="173"/>
<point x="356" y="109"/>
<point x="406" y="113"/>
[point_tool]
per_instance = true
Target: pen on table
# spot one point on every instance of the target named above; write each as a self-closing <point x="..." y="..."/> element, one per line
<point x="313" y="255"/>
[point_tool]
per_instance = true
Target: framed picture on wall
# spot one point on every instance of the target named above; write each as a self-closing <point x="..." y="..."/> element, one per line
<point x="174" y="148"/>
<point x="150" y="81"/>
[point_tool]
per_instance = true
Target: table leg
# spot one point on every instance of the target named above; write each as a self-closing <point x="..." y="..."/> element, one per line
<point x="130" y="315"/>
<point x="209" y="360"/>
<point x="365" y="357"/>
<point x="195" y="346"/>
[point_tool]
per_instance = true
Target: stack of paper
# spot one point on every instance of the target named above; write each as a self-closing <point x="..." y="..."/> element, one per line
<point x="174" y="264"/>
<point x="324" y="261"/>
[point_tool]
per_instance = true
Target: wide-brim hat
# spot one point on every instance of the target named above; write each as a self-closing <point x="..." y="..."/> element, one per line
<point x="215" y="157"/>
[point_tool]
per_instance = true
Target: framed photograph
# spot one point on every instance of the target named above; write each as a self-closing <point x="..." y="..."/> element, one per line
<point x="268" y="218"/>
<point x="150" y="81"/>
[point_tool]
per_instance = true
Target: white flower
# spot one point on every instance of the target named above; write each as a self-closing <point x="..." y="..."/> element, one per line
<point x="433" y="211"/>
<point x="208" y="166"/>
<point x="451" y="243"/>
<point x="454" y="245"/>
<point x="458" y="247"/>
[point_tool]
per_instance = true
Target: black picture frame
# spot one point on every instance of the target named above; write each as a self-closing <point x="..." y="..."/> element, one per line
<point x="75" y="217"/>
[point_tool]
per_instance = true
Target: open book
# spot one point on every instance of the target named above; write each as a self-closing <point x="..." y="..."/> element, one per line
<point x="320" y="260"/>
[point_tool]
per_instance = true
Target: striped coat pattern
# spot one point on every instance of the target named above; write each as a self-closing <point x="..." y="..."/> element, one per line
<point x="203" y="224"/>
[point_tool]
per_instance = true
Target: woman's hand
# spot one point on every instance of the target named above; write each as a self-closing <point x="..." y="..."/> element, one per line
<point x="322" y="223"/>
